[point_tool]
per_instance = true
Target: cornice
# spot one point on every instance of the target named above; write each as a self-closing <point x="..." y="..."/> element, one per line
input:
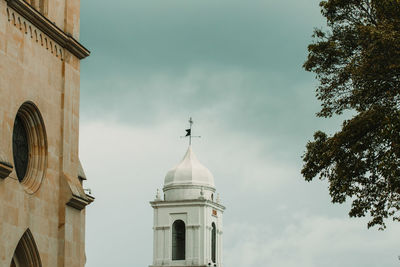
<point x="188" y="202"/>
<point x="188" y="186"/>
<point x="46" y="26"/>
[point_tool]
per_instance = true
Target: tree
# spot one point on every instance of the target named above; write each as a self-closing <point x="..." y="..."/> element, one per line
<point x="357" y="62"/>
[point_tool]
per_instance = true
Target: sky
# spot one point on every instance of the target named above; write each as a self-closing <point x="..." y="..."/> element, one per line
<point x="236" y="68"/>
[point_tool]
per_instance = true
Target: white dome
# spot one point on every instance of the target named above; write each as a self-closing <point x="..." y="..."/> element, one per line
<point x="189" y="172"/>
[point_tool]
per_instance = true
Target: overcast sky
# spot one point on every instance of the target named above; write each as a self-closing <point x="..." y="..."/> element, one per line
<point x="235" y="67"/>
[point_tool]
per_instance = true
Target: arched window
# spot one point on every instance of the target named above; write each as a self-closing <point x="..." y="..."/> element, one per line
<point x="214" y="243"/>
<point x="26" y="253"/>
<point x="178" y="240"/>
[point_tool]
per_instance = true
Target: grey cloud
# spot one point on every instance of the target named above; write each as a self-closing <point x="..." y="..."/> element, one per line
<point x="137" y="36"/>
<point x="272" y="216"/>
<point x="262" y="105"/>
<point x="235" y="66"/>
<point x="310" y="241"/>
<point x="239" y="60"/>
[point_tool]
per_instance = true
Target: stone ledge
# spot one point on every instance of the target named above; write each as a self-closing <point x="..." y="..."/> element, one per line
<point x="77" y="198"/>
<point x="185" y="202"/>
<point x="46" y="26"/>
<point x="80" y="203"/>
<point x="5" y="169"/>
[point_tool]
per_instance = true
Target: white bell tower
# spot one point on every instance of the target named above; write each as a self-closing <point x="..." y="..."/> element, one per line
<point x="188" y="221"/>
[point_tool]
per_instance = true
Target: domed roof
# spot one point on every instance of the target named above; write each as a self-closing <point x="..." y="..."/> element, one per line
<point x="189" y="172"/>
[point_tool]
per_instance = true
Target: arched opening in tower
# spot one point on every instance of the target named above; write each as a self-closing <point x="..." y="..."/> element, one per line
<point x="178" y="240"/>
<point x="214" y="243"/>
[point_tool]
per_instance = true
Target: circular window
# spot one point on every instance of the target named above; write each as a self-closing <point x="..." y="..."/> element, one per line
<point x="29" y="147"/>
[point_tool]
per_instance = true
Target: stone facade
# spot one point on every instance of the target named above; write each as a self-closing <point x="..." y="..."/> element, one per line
<point x="42" y="214"/>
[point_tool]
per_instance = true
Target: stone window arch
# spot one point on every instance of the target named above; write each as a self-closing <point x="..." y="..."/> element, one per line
<point x="26" y="253"/>
<point x="213" y="243"/>
<point x="29" y="147"/>
<point x="178" y="240"/>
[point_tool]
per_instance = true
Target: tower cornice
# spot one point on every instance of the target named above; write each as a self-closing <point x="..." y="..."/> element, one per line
<point x="187" y="202"/>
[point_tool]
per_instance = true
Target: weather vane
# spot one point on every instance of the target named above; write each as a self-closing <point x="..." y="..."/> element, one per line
<point x="189" y="132"/>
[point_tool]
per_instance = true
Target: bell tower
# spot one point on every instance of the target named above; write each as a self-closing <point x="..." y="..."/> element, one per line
<point x="188" y="220"/>
<point x="42" y="200"/>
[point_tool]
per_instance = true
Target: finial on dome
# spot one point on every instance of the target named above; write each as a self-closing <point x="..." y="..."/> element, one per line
<point x="189" y="132"/>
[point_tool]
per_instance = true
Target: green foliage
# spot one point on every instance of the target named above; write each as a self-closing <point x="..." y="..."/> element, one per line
<point x="357" y="62"/>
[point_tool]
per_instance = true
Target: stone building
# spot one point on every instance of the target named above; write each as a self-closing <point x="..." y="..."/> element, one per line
<point x="188" y="220"/>
<point x="42" y="201"/>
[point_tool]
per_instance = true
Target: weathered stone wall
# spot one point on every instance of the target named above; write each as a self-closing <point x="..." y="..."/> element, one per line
<point x="37" y="68"/>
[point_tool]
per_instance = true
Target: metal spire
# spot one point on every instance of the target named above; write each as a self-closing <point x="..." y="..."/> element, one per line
<point x="189" y="132"/>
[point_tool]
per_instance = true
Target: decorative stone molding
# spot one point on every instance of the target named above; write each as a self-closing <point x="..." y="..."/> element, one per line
<point x="180" y="203"/>
<point x="188" y="186"/>
<point x="27" y="251"/>
<point x="46" y="32"/>
<point x="34" y="33"/>
<point x="77" y="199"/>
<point x="37" y="142"/>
